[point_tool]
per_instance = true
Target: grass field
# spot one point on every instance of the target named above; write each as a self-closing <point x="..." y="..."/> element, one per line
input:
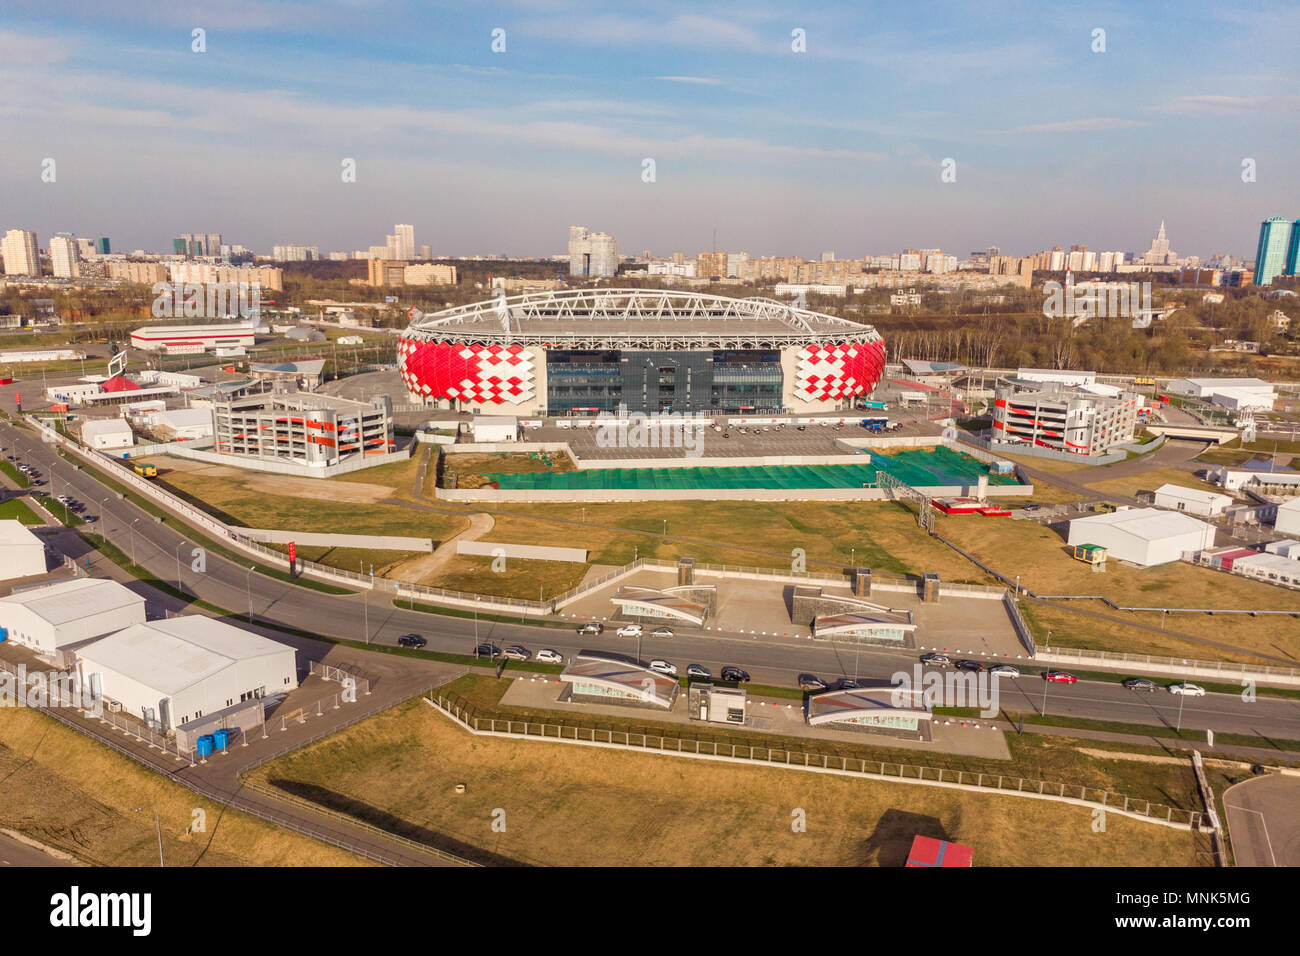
<point x="1150" y="481"/>
<point x="505" y="463"/>
<point x="580" y="806"/>
<point x="16" y="509"/>
<point x="70" y="793"/>
<point x="14" y="475"/>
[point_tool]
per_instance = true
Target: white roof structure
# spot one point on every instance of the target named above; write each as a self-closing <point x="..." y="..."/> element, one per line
<point x="633" y="319"/>
<point x="1288" y="517"/>
<point x="21" y="552"/>
<point x="1204" y="387"/>
<point x="14" y="532"/>
<point x="1143" y="536"/>
<point x="1143" y="522"/>
<point x="105" y="427"/>
<point x="69" y="601"/>
<point x="173" y="655"/>
<point x="1193" y="496"/>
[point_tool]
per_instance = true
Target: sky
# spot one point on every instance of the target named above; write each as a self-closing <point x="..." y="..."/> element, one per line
<point x="838" y="146"/>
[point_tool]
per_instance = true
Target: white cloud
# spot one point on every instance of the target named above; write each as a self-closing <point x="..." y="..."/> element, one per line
<point x="1075" y="126"/>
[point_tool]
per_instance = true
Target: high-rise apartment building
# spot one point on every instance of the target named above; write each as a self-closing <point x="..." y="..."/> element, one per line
<point x="1274" y="250"/>
<point x="65" y="258"/>
<point x="103" y="246"/>
<point x="292" y="252"/>
<point x="19" y="250"/>
<point x="594" y="253"/>
<point x="405" y="241"/>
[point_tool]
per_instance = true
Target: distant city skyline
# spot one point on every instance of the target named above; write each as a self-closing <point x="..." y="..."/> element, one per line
<point x="784" y="153"/>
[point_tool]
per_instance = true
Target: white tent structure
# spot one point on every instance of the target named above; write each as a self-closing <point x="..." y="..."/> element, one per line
<point x="21" y="552"/>
<point x="58" y="616"/>
<point x="1194" y="501"/>
<point x="1143" y="536"/>
<point x="174" y="671"/>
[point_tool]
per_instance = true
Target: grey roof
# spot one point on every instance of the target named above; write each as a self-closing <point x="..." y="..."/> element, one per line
<point x="74" y="600"/>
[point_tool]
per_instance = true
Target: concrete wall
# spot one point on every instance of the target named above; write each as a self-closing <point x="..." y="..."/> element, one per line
<point x="527" y="552"/>
<point x="310" y="538"/>
<point x="271" y="465"/>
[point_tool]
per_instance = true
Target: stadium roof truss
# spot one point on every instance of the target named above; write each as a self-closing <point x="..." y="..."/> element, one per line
<point x="636" y="319"/>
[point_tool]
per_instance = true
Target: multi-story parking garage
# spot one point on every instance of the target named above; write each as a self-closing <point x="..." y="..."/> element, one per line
<point x="581" y="352"/>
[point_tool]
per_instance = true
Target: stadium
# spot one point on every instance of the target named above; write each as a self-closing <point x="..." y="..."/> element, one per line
<point x="581" y="352"/>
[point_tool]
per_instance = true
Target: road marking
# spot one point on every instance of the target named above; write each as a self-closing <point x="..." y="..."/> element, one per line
<point x="1262" y="822"/>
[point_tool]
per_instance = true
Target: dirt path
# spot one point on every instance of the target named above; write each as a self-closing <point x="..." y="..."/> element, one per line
<point x="422" y="567"/>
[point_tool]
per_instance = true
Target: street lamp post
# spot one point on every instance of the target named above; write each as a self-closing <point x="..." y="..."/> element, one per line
<point x="1181" y="698"/>
<point x="131" y="530"/>
<point x="1043" y="709"/>
<point x="248" y="585"/>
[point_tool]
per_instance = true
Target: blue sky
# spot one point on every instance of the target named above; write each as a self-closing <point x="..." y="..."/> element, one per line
<point x="838" y="147"/>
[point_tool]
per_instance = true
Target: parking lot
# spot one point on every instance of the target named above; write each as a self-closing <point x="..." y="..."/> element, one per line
<point x="735" y="441"/>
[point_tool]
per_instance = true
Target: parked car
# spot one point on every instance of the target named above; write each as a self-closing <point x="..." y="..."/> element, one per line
<point x="939" y="660"/>
<point x="412" y="640"/>
<point x="516" y="652"/>
<point x="548" y="656"/>
<point x="735" y="674"/>
<point x="969" y="666"/>
<point x="1060" y="677"/>
<point x="1187" y="690"/>
<point x="487" y="650"/>
<point x="811" y="682"/>
<point x="1005" y="670"/>
<point x="663" y="667"/>
<point x="662" y="632"/>
<point x="591" y="627"/>
<point x="629" y="630"/>
<point x="698" y="672"/>
<point x="1140" y="683"/>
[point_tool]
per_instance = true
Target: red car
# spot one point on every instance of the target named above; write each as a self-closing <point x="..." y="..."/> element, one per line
<point x="1060" y="677"/>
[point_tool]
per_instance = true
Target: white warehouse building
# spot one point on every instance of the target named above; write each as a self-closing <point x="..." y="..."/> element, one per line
<point x="58" y="617"/>
<point x="1288" y="517"/>
<point x="1239" y="393"/>
<point x="21" y="552"/>
<point x="174" y="671"/>
<point x="1194" y="501"/>
<point x="1143" y="536"/>
<point x="105" y="433"/>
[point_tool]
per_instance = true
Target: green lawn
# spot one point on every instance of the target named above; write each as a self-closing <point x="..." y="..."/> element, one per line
<point x="17" y="508"/>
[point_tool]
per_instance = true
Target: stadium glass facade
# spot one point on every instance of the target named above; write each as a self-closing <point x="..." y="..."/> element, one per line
<point x="686" y="382"/>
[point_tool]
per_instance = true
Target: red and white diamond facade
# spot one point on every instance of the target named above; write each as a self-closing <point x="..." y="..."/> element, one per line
<point x="834" y="372"/>
<point x="469" y="372"/>
<point x="537" y="353"/>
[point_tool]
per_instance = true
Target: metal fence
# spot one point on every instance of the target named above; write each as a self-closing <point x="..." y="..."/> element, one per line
<point x="853" y="766"/>
<point x="1122" y="657"/>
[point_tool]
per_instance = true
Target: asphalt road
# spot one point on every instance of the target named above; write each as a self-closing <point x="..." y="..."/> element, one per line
<point x="230" y="584"/>
<point x="1262" y="821"/>
<point x="14" y="853"/>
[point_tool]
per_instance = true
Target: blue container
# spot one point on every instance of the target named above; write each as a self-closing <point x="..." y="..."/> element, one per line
<point x="205" y="745"/>
<point x="222" y="739"/>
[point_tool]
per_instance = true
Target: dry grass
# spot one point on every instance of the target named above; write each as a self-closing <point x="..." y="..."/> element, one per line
<point x="1069" y="629"/>
<point x="68" y="792"/>
<point x="583" y="806"/>
<point x="1150" y="481"/>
